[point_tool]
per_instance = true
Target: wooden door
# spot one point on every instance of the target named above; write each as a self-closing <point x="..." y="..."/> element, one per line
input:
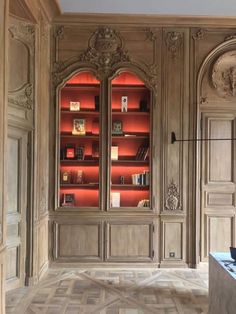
<point x="16" y="207"/>
<point x="217" y="183"/>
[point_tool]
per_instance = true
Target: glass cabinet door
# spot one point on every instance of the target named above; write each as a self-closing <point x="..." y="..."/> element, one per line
<point x="79" y="129"/>
<point x="130" y="142"/>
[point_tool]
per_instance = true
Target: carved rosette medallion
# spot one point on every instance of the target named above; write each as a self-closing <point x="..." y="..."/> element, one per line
<point x="224" y="74"/>
<point x="174" y="42"/>
<point x="199" y="34"/>
<point x="173" y="199"/>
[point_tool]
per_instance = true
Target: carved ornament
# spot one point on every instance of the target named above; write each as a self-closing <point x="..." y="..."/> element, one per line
<point x="105" y="49"/>
<point x="22" y="98"/>
<point x="173" y="199"/>
<point x="24" y="32"/>
<point x="199" y="34"/>
<point x="59" y="32"/>
<point x="174" y="42"/>
<point x="224" y="74"/>
<point x="230" y="37"/>
<point x="203" y="100"/>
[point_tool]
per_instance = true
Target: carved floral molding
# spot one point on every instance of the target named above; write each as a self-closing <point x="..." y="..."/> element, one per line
<point x="105" y="51"/>
<point x="174" y="42"/>
<point x="224" y="74"/>
<point x="22" y="98"/>
<point x="172" y="201"/>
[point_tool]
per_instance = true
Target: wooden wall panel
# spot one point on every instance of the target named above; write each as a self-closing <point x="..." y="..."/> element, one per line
<point x="78" y="241"/>
<point x="173" y="235"/>
<point x="129" y="241"/>
<point x="220" y="234"/>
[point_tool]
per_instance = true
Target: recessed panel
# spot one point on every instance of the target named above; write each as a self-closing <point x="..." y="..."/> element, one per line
<point x="220" y="234"/>
<point x="220" y="151"/>
<point x="13" y="175"/>
<point x="12" y="262"/>
<point x="129" y="241"/>
<point x="78" y="240"/>
<point x="173" y="239"/>
<point x="220" y="199"/>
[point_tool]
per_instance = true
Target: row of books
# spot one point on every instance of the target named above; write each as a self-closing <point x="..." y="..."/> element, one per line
<point x="141" y="178"/>
<point x="144" y="203"/>
<point x="142" y="152"/>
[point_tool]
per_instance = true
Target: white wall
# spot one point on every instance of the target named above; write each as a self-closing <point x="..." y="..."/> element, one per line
<point x="182" y="7"/>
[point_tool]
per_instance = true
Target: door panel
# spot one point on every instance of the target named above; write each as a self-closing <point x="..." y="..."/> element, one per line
<point x="16" y="207"/>
<point x="218" y="183"/>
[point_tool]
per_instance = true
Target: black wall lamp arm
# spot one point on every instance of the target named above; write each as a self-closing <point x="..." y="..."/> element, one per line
<point x="173" y="139"/>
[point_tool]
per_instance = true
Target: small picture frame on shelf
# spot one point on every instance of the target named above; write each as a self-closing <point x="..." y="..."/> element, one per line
<point x="65" y="177"/>
<point x="74" y="106"/>
<point x="68" y="199"/>
<point x="117" y="127"/>
<point x="79" y="127"/>
<point x="70" y="151"/>
<point x="124" y="103"/>
<point x="79" y="152"/>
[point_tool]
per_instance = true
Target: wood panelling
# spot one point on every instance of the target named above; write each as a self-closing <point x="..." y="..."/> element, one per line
<point x="220" y="234"/>
<point x="78" y="241"/>
<point x="129" y="241"/>
<point x="173" y="238"/>
<point x="17" y="173"/>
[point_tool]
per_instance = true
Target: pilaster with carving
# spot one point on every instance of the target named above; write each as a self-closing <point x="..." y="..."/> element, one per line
<point x="172" y="201"/>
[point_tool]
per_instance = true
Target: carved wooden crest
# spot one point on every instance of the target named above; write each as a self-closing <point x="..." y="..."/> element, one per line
<point x="173" y="199"/>
<point x="105" y="49"/>
<point x="224" y="74"/>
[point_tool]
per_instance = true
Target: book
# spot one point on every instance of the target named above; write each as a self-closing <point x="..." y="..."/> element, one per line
<point x="70" y="151"/>
<point x="79" y="152"/>
<point x="78" y="127"/>
<point x="142" y="152"/>
<point x="115" y="199"/>
<point x="114" y="152"/>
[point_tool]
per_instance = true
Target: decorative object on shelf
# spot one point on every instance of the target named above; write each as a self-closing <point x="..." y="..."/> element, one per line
<point x="117" y="127"/>
<point x="144" y="203"/>
<point x="79" y="127"/>
<point x="65" y="177"/>
<point x="173" y="199"/>
<point x="122" y="180"/>
<point x="124" y="103"/>
<point x="114" y="152"/>
<point x="79" y="152"/>
<point x="78" y="177"/>
<point x="115" y="199"/>
<point x="70" y="151"/>
<point x="68" y="199"/>
<point x="96" y="101"/>
<point x="143" y="105"/>
<point x="74" y="106"/>
<point x="95" y="150"/>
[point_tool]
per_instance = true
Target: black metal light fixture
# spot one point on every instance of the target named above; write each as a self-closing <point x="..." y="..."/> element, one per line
<point x="173" y="139"/>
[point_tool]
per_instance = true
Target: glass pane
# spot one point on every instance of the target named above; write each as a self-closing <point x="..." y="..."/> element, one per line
<point x="130" y="142"/>
<point x="79" y="141"/>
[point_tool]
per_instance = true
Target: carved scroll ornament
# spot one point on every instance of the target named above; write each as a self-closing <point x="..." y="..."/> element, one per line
<point x="172" y="201"/>
<point x="174" y="42"/>
<point x="224" y="74"/>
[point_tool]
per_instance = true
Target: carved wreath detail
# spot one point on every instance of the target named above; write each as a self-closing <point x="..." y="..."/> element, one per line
<point x="173" y="199"/>
<point x="224" y="74"/>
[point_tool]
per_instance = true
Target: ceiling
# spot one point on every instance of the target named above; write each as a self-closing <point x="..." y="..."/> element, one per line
<point x="164" y="7"/>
